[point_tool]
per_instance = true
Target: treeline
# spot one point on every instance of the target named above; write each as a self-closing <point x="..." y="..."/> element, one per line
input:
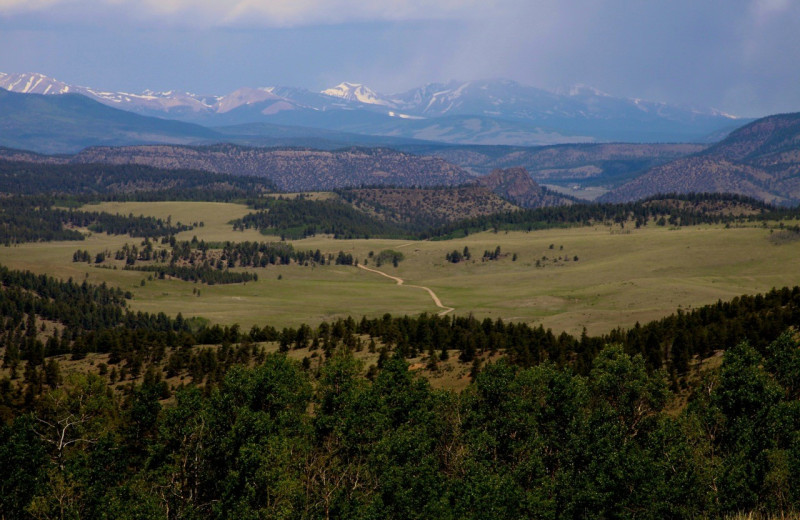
<point x="669" y="343"/>
<point x="203" y="273"/>
<point x="199" y="253"/>
<point x="246" y="254"/>
<point x="210" y="263"/>
<point x="76" y="305"/>
<point x="670" y="209"/>
<point x="299" y="217"/>
<point x="286" y="441"/>
<point x="43" y="317"/>
<point x="91" y="182"/>
<point x="33" y="219"/>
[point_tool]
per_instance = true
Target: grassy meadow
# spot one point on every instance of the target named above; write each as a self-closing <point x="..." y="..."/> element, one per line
<point x="622" y="275"/>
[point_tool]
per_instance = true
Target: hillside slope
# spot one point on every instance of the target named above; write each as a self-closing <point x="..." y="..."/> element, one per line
<point x="422" y="208"/>
<point x="761" y="160"/>
<point x="292" y="169"/>
<point x="70" y="122"/>
<point x="517" y="186"/>
<point x="606" y="164"/>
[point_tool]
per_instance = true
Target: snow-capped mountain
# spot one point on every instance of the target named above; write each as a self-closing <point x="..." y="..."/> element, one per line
<point x="502" y="98"/>
<point x="356" y="92"/>
<point x="33" y="83"/>
<point x="475" y="112"/>
<point x="511" y="100"/>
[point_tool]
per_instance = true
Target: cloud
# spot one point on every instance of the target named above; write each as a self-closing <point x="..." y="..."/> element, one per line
<point x="265" y="13"/>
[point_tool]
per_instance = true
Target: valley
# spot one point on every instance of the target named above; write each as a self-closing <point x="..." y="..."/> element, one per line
<point x="621" y="275"/>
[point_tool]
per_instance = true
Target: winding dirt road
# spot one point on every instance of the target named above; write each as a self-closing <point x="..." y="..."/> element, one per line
<point x="399" y="281"/>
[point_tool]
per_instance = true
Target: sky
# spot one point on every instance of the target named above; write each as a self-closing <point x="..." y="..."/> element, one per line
<point x="740" y="56"/>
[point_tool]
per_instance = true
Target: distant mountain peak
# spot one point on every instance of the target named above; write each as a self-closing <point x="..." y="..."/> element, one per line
<point x="33" y="83"/>
<point x="356" y="92"/>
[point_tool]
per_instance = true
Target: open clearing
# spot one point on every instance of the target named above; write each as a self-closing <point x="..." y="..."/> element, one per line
<point x="621" y="276"/>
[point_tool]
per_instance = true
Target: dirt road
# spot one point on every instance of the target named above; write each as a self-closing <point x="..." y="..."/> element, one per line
<point x="400" y="281"/>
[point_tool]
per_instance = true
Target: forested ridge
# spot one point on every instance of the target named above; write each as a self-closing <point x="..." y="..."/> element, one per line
<point x="667" y="209"/>
<point x="299" y="217"/>
<point x="39" y="200"/>
<point x="552" y="426"/>
<point x="37" y="195"/>
<point x="122" y="182"/>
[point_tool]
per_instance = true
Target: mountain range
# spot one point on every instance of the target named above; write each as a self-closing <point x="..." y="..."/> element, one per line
<point x="476" y="112"/>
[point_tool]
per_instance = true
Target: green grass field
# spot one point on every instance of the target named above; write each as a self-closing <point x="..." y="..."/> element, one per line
<point x="621" y="276"/>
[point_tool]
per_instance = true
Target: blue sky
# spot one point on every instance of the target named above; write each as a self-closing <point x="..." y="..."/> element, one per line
<point x="741" y="56"/>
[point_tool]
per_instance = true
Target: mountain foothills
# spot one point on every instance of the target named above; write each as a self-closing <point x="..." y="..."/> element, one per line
<point x="477" y="112"/>
<point x="517" y="186"/>
<point x="434" y="206"/>
<point x="602" y="163"/>
<point x="761" y="160"/>
<point x="288" y="169"/>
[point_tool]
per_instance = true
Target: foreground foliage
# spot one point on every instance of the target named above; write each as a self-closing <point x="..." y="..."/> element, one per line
<point x="278" y="441"/>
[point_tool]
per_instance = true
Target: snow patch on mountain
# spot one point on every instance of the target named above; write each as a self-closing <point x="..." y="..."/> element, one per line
<point x="356" y="92"/>
<point x="580" y="90"/>
<point x="403" y="116"/>
<point x="32" y="83"/>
